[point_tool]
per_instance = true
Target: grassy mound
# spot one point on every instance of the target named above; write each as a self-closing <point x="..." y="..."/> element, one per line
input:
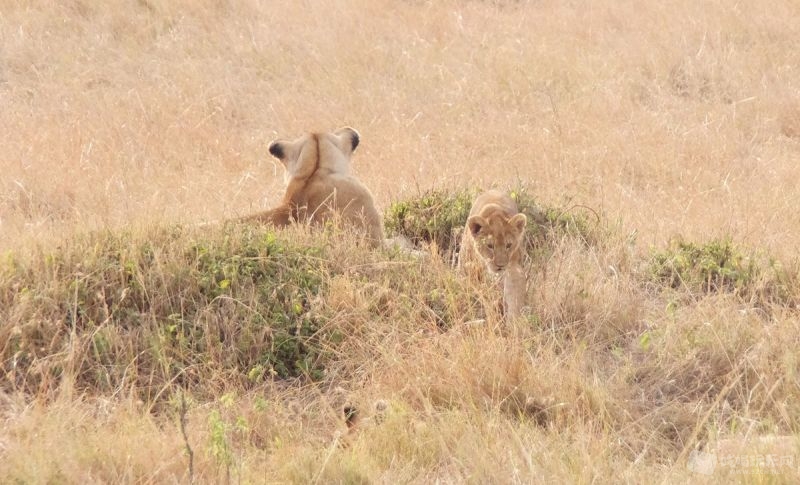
<point x="169" y="306"/>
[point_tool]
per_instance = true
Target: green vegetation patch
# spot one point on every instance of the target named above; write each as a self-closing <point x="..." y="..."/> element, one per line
<point x="722" y="266"/>
<point x="548" y="224"/>
<point x="438" y="217"/>
<point x="717" y="265"/>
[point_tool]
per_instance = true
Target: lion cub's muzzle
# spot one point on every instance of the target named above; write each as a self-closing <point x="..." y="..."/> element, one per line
<point x="496" y="269"/>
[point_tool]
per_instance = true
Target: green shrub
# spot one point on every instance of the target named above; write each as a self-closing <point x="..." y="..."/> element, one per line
<point x="717" y="265"/>
<point x="438" y="217"/>
<point x="720" y="265"/>
<point x="548" y="224"/>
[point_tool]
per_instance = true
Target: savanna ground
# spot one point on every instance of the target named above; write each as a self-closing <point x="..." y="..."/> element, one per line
<point x="656" y="145"/>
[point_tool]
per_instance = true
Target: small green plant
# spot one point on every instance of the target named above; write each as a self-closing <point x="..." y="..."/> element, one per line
<point x="227" y="431"/>
<point x="219" y="446"/>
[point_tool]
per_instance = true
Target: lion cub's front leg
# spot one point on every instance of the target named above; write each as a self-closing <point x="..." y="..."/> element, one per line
<point x="469" y="262"/>
<point x="514" y="289"/>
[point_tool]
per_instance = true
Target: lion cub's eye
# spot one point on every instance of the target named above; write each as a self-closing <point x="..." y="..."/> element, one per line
<point x="508" y="245"/>
<point x="490" y="245"/>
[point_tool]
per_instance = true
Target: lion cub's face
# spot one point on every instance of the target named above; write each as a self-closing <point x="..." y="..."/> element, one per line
<point x="497" y="239"/>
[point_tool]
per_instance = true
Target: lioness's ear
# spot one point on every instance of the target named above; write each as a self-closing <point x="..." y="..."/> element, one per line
<point x="277" y="150"/>
<point x="518" y="222"/>
<point x="349" y="137"/>
<point x="475" y="224"/>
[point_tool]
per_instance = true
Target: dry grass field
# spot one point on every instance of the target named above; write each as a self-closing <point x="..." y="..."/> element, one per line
<point x="139" y="346"/>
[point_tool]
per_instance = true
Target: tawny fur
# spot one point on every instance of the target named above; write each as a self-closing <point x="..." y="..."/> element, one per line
<point x="319" y="185"/>
<point x="493" y="244"/>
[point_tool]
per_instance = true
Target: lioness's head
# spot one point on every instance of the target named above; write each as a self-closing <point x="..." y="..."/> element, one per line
<point x="497" y="238"/>
<point x="327" y="151"/>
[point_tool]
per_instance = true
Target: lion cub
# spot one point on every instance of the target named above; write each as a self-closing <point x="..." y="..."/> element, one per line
<point x="319" y="184"/>
<point x="493" y="242"/>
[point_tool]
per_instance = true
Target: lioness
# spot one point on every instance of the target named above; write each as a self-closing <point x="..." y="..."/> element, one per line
<point x="319" y="184"/>
<point x="493" y="242"/>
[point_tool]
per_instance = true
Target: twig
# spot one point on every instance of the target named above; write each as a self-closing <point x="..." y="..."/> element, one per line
<point x="189" y="451"/>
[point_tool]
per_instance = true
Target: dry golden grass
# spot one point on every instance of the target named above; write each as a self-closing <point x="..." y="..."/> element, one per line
<point x="667" y="118"/>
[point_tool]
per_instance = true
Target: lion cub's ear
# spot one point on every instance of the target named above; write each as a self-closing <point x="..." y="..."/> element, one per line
<point x="475" y="224"/>
<point x="518" y="222"/>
